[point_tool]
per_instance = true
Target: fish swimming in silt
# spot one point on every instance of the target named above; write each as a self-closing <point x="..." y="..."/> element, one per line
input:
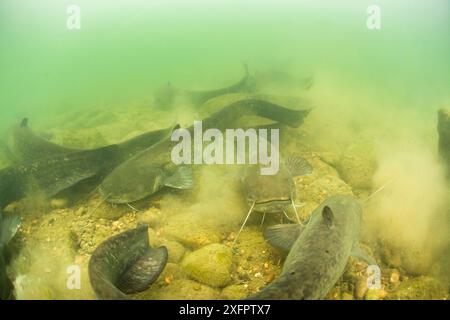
<point x="165" y="97"/>
<point x="125" y="264"/>
<point x="273" y="193"/>
<point x="153" y="169"/>
<point x="53" y="174"/>
<point x="318" y="252"/>
<point x="24" y="145"/>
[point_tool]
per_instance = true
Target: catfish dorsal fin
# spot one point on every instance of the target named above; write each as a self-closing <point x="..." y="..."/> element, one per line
<point x="176" y="127"/>
<point x="24" y="122"/>
<point x="298" y="166"/>
<point x="328" y="216"/>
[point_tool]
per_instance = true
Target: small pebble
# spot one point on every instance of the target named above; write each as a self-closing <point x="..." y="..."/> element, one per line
<point x="395" y="277"/>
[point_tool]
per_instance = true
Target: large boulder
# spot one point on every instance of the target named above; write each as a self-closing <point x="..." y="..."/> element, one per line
<point x="210" y="265"/>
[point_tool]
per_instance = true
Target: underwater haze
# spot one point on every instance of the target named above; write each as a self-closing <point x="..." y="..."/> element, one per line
<point x="126" y="48"/>
<point x="133" y="66"/>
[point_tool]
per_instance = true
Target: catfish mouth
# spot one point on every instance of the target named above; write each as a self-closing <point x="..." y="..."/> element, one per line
<point x="272" y="205"/>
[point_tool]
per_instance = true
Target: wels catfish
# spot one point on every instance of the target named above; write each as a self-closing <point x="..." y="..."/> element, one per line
<point x="55" y="173"/>
<point x="318" y="252"/>
<point x="272" y="193"/>
<point x="24" y="145"/>
<point x="153" y="169"/>
<point x="165" y="97"/>
<point x="125" y="264"/>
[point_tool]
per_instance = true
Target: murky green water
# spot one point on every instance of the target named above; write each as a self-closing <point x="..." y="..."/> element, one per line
<point x="375" y="95"/>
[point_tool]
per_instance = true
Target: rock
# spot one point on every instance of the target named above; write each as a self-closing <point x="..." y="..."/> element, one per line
<point x="58" y="203"/>
<point x="394" y="277"/>
<point x="171" y="272"/>
<point x="210" y="265"/>
<point x="334" y="293"/>
<point x="152" y="217"/>
<point x="375" y="294"/>
<point x="234" y="292"/>
<point x="421" y="288"/>
<point x="360" y="288"/>
<point x="192" y="233"/>
<point x="346" y="296"/>
<point x="180" y="290"/>
<point x="175" y="250"/>
<point x="314" y="189"/>
<point x="105" y="211"/>
<point x="32" y="288"/>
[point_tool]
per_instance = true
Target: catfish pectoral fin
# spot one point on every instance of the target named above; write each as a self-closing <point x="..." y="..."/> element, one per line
<point x="283" y="236"/>
<point x="358" y="253"/>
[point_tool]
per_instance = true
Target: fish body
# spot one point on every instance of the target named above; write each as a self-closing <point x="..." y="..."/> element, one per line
<point x="56" y="172"/>
<point x="24" y="145"/>
<point x="125" y="264"/>
<point x="53" y="174"/>
<point x="318" y="253"/>
<point x="145" y="174"/>
<point x="50" y="168"/>
<point x="273" y="193"/>
<point x="166" y="96"/>
<point x="153" y="169"/>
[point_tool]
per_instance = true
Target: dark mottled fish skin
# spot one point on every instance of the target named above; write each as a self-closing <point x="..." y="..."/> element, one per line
<point x="197" y="98"/>
<point x="125" y="263"/>
<point x="52" y="170"/>
<point x="273" y="193"/>
<point x="144" y="174"/>
<point x="24" y="145"/>
<point x="53" y="174"/>
<point x="319" y="256"/>
<point x="269" y="193"/>
<point x="166" y="96"/>
<point x="225" y="118"/>
<point x="141" y="142"/>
